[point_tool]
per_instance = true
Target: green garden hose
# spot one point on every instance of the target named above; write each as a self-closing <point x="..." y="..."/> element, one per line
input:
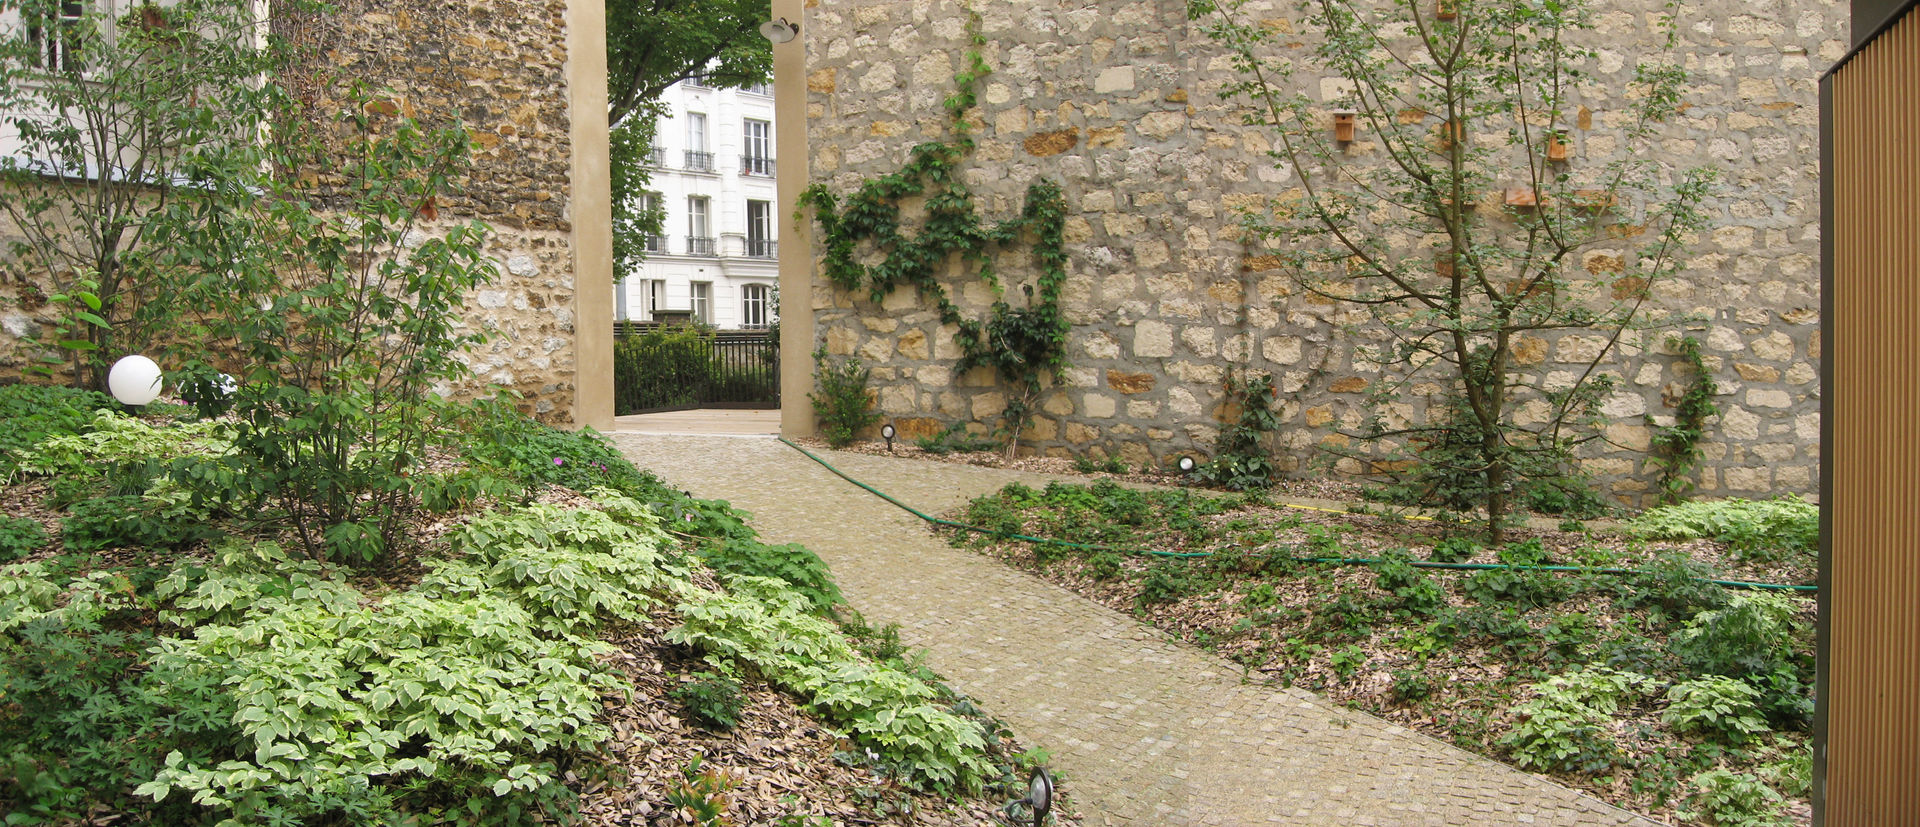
<point x="1184" y="555"/>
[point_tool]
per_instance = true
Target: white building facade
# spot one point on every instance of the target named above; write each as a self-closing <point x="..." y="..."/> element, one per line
<point x="716" y="259"/>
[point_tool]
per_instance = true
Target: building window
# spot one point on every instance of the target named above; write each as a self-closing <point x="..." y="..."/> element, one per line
<point x="758" y="159"/>
<point x="653" y="296"/>
<point x="702" y="302"/>
<point x="54" y="32"/>
<point x="698" y="158"/>
<point x="760" y="229"/>
<point x="699" y="227"/>
<point x="755" y="300"/>
<point x="650" y="204"/>
<point x="759" y="89"/>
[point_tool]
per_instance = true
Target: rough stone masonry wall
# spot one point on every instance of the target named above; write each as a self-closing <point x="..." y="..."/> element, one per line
<point x="1119" y="103"/>
<point x="500" y="66"/>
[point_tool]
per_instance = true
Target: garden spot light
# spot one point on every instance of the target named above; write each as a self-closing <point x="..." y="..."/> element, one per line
<point x="1039" y="795"/>
<point x="134" y="380"/>
<point x="887" y="431"/>
<point x="1186" y="465"/>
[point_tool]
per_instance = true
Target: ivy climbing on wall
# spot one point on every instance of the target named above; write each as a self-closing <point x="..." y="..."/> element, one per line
<point x="1024" y="344"/>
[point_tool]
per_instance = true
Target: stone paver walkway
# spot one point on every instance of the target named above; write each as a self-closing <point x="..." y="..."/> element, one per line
<point x="1147" y="731"/>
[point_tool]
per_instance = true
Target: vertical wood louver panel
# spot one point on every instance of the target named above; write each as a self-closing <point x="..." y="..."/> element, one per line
<point x="1873" y="448"/>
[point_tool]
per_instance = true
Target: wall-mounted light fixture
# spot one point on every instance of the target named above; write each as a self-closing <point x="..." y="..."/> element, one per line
<point x="1344" y="121"/>
<point x="779" y="31"/>
<point x="888" y="432"/>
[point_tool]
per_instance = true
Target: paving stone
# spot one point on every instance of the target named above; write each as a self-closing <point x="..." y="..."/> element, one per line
<point x="1146" y="730"/>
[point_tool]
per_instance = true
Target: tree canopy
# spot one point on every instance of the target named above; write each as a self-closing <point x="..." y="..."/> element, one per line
<point x="652" y="44"/>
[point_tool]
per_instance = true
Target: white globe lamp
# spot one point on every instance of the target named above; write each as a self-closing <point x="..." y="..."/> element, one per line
<point x="134" y="380"/>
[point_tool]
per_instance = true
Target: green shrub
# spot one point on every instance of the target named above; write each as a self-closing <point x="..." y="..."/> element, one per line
<point x="327" y="704"/>
<point x="993" y="513"/>
<point x="1105" y="565"/>
<point x="1528" y="589"/>
<point x="1755" y="530"/>
<point x="1240" y="460"/>
<point x="1168" y="580"/>
<point x="1564" y="727"/>
<point x="1759" y="633"/>
<point x="87" y="719"/>
<point x="114" y="441"/>
<point x="32" y="413"/>
<point x="1529" y="552"/>
<point x="841" y="400"/>
<point x="700" y="796"/>
<point x="126" y="521"/>
<point x="885" y="708"/>
<point x="955" y="439"/>
<point x="1715" y="706"/>
<point x="1673" y="583"/>
<point x="1728" y="799"/>
<point x="1412" y="588"/>
<point x="711" y="699"/>
<point x="1454" y="550"/>
<point x="792" y="563"/>
<point x="19" y="537"/>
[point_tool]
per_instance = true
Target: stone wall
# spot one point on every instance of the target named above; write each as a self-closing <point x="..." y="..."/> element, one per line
<point x="1120" y="103"/>
<point x="500" y="66"/>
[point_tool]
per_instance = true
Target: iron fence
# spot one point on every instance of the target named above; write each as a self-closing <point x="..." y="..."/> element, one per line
<point x="660" y="368"/>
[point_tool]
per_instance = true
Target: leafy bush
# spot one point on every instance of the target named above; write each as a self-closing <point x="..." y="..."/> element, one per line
<point x="85" y="717"/>
<point x="19" y="536"/>
<point x="1089" y="465"/>
<point x="1528" y="552"/>
<point x="1755" y="530"/>
<point x="127" y="521"/>
<point x="328" y="706"/>
<point x="711" y="699"/>
<point x="1412" y="588"/>
<point x="1674" y="583"/>
<point x="1715" y="706"/>
<point x="1531" y="589"/>
<point x="1169" y="580"/>
<point x="1240" y="459"/>
<point x="36" y="412"/>
<point x="792" y="563"/>
<point x="1729" y="799"/>
<point x="994" y="513"/>
<point x="885" y="708"/>
<point x="1564" y="727"/>
<point x="113" y="440"/>
<point x="1454" y="550"/>
<point x="955" y="439"/>
<point x="1759" y="633"/>
<point x="841" y="399"/>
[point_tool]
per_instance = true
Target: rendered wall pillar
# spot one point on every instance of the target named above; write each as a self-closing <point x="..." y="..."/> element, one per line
<point x="590" y="210"/>
<point x="796" y="237"/>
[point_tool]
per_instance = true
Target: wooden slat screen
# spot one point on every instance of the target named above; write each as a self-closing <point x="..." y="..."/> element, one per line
<point x="1871" y="434"/>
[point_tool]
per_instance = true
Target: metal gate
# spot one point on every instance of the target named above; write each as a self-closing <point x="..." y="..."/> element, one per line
<point x="679" y="368"/>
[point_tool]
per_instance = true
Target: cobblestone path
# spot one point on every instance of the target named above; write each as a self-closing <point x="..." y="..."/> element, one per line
<point x="1146" y="730"/>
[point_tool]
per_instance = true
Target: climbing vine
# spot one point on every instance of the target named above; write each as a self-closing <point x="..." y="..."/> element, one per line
<point x="1022" y="345"/>
<point x="1676" y="449"/>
